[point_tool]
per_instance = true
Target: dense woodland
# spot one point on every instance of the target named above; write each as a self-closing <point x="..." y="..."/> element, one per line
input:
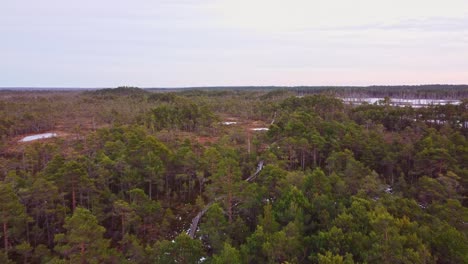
<point x="130" y="169"/>
<point x="435" y="91"/>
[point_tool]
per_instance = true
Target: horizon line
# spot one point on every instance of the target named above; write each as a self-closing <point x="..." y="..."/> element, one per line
<point x="227" y="86"/>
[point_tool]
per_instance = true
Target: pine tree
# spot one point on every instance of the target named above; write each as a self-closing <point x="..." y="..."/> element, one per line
<point x="13" y="215"/>
<point x="83" y="241"/>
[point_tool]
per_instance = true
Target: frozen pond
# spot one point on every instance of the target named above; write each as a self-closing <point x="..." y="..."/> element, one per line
<point x="401" y="101"/>
<point x="38" y="136"/>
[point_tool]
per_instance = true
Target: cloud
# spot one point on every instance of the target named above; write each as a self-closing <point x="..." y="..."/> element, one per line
<point x="278" y="15"/>
<point x="428" y="24"/>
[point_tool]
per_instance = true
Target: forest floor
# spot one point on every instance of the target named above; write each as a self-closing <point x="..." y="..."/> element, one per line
<point x="67" y="129"/>
<point x="74" y="128"/>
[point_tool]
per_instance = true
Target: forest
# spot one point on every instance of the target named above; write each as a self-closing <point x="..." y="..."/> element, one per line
<point x="271" y="175"/>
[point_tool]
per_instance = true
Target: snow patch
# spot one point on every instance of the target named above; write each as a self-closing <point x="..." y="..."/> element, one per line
<point x="228" y="123"/>
<point x="389" y="189"/>
<point x="38" y="136"/>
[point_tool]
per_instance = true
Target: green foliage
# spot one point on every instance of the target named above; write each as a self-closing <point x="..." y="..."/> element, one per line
<point x="181" y="114"/>
<point x="226" y="184"/>
<point x="229" y="254"/>
<point x="214" y="227"/>
<point x="120" y="91"/>
<point x="83" y="240"/>
<point x="13" y="217"/>
<point x="450" y="245"/>
<point x="329" y="258"/>
<point x="181" y="250"/>
<point x="338" y="183"/>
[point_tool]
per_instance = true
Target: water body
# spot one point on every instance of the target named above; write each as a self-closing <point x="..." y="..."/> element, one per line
<point x="401" y="101"/>
<point x="38" y="136"/>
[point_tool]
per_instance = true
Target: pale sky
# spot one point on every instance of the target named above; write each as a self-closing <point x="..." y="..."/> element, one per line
<point x="179" y="43"/>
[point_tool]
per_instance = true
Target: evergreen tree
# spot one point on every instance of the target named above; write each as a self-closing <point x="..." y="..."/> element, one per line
<point x="13" y="216"/>
<point x="83" y="241"/>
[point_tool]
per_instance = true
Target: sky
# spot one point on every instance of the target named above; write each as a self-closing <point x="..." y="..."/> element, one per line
<point x="182" y="43"/>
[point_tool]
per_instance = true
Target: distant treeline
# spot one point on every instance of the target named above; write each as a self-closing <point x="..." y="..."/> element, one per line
<point x="436" y="91"/>
<point x="432" y="91"/>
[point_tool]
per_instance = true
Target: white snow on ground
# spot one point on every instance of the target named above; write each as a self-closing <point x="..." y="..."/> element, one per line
<point x="38" y="136"/>
<point x="389" y="189"/>
<point x="228" y="123"/>
<point x="260" y="129"/>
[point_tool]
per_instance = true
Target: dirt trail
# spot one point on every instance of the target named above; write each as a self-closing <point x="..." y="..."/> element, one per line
<point x="196" y="220"/>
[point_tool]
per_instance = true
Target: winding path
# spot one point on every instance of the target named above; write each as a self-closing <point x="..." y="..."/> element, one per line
<point x="196" y="220"/>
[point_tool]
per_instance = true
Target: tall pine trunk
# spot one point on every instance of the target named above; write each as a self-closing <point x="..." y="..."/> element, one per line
<point x="82" y="251"/>
<point x="73" y="197"/>
<point x="122" y="218"/>
<point x="5" y="236"/>
<point x="150" y="187"/>
<point x="230" y="207"/>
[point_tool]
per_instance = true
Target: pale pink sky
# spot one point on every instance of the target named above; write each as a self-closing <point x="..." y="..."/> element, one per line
<point x="174" y="43"/>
